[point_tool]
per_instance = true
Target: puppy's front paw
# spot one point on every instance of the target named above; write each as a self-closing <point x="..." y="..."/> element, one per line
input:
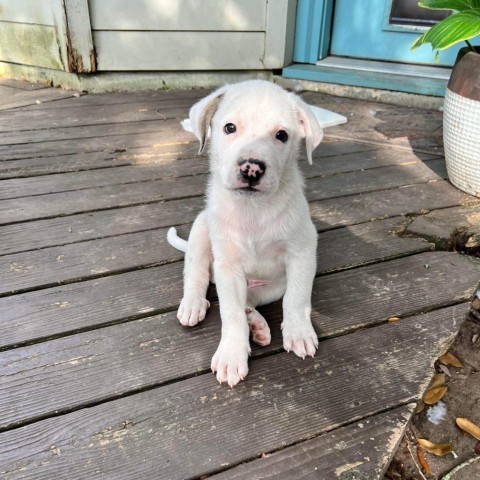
<point x="192" y="311"/>
<point x="231" y="362"/>
<point x="299" y="337"/>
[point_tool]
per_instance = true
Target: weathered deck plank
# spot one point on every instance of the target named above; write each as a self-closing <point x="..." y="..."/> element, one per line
<point x="60" y="134"/>
<point x="90" y="259"/>
<point x="21" y="84"/>
<point x="85" y="161"/>
<point x="409" y="200"/>
<point x="97" y="197"/>
<point x="64" y="230"/>
<point x="17" y="121"/>
<point x="79" y="364"/>
<point x="357" y="451"/>
<point x="383" y="178"/>
<point x="134" y="155"/>
<point x="362" y="244"/>
<point x="67" y="182"/>
<point x="98" y="224"/>
<point x="89" y="304"/>
<point x="353" y="372"/>
<point x="354" y="177"/>
<point x="93" y="258"/>
<point x="376" y="123"/>
<point x="13" y="98"/>
<point x="88" y="200"/>
<point x="100" y="99"/>
<point x="157" y="137"/>
<point x="341" y="301"/>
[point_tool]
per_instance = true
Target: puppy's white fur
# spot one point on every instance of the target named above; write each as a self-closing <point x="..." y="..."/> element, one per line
<point x="256" y="245"/>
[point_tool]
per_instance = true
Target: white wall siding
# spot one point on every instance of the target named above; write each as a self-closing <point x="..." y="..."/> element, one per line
<point x="177" y="51"/>
<point x="177" y="15"/>
<point x="29" y="45"/>
<point x="147" y="35"/>
<point x="53" y="34"/>
<point x="35" y="12"/>
<point x="176" y="35"/>
<point x="28" y="34"/>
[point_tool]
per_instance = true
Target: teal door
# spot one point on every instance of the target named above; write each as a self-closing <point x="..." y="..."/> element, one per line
<point x="367" y="43"/>
<point x="385" y="30"/>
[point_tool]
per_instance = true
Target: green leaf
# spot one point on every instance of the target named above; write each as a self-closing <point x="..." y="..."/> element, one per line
<point x="457" y="5"/>
<point x="452" y="30"/>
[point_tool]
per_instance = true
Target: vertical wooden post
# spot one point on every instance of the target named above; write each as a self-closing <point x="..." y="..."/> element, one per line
<point x="81" y="54"/>
<point x="72" y="20"/>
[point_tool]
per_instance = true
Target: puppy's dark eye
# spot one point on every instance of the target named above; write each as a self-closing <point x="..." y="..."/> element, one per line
<point x="229" y="128"/>
<point x="282" y="135"/>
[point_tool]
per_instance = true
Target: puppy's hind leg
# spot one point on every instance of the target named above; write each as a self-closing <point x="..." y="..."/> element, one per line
<point x="196" y="273"/>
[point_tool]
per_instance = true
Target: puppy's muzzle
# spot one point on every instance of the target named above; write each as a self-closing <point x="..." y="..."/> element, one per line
<point x="251" y="171"/>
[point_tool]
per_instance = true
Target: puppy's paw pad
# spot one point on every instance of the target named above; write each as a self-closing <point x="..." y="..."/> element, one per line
<point x="230" y="362"/>
<point x="192" y="311"/>
<point x="259" y="328"/>
<point x="302" y="341"/>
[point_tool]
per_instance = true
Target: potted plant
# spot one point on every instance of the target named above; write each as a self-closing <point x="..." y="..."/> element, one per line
<point x="461" y="119"/>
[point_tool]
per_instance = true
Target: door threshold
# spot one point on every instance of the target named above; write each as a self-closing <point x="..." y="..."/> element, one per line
<point x="419" y="79"/>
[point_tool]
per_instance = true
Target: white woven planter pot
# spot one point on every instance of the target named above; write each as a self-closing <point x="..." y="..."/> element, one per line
<point x="461" y="137"/>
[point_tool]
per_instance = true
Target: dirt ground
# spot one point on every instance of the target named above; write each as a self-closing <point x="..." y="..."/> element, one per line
<point x="461" y="400"/>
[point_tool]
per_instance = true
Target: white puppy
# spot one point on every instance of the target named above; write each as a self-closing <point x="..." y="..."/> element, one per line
<point x="255" y="238"/>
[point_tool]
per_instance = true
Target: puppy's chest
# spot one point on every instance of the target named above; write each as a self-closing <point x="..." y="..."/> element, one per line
<point x="263" y="259"/>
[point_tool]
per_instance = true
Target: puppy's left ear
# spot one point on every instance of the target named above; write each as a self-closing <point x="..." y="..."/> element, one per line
<point x="201" y="115"/>
<point x="309" y="127"/>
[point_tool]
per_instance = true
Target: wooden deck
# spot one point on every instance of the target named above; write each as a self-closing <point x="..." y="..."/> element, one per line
<point x="99" y="380"/>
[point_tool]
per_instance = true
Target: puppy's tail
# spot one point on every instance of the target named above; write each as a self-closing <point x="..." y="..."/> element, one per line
<point x="175" y="241"/>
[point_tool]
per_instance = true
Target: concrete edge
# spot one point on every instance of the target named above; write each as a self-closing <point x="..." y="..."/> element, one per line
<point x="362" y="93"/>
<point x="128" y="81"/>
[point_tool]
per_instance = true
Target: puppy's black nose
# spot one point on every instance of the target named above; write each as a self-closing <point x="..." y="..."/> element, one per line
<point x="252" y="170"/>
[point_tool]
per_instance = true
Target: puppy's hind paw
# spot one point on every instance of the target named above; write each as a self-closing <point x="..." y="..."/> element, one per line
<point x="192" y="311"/>
<point x="259" y="329"/>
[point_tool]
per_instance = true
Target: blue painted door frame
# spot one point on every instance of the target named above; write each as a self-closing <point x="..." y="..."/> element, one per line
<point x="312" y="30"/>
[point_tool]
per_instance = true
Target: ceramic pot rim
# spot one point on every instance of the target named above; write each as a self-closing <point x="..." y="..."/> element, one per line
<point x="465" y="78"/>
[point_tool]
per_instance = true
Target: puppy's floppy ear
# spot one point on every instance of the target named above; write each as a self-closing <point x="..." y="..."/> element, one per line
<point x="201" y="115"/>
<point x="309" y="127"/>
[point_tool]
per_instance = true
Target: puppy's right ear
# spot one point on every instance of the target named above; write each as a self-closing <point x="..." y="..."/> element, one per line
<point x="201" y="115"/>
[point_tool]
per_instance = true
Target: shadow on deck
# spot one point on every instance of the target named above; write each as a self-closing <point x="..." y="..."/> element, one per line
<point x="98" y="378"/>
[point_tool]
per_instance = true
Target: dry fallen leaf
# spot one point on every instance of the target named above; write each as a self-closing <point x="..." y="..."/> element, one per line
<point x="420" y="407"/>
<point x="435" y="448"/>
<point x="445" y="370"/>
<point x="438" y="380"/>
<point x="467" y="426"/>
<point x="473" y="241"/>
<point x="477" y="448"/>
<point x="450" y="359"/>
<point x="393" y="319"/>
<point x="433" y="395"/>
<point x="423" y="461"/>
